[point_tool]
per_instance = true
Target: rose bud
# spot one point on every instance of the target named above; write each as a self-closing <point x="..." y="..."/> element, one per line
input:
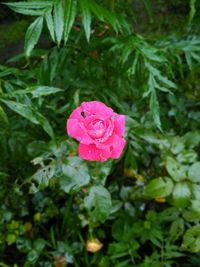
<point x="93" y="245"/>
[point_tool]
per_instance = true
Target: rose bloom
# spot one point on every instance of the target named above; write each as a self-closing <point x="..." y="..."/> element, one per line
<point x="98" y="129"/>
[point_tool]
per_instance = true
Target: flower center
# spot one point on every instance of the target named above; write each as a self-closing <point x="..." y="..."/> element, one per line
<point x="98" y="124"/>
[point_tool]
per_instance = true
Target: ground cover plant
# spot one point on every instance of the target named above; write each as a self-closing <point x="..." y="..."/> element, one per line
<point x="140" y="58"/>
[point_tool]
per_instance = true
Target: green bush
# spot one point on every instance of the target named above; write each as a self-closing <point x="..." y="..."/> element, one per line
<point x="141" y="210"/>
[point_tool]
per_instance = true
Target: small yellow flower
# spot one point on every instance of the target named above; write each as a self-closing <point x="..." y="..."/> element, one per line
<point x="84" y="190"/>
<point x="93" y="245"/>
<point x="160" y="199"/>
<point x="128" y="172"/>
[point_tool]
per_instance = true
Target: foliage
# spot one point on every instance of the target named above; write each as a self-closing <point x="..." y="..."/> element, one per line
<point x="144" y="208"/>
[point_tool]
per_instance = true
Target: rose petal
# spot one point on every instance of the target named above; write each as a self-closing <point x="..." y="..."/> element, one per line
<point x="95" y="126"/>
<point x="96" y="107"/>
<point x="77" y="114"/>
<point x="117" y="145"/>
<point x="119" y="124"/>
<point x="76" y="130"/>
<point x="91" y="152"/>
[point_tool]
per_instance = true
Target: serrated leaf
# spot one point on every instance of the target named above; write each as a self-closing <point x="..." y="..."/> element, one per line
<point x="86" y="17"/>
<point x="98" y="202"/>
<point x="58" y="18"/>
<point x="155" y="110"/>
<point x="194" y="172"/>
<point x="30" y="4"/>
<point x="159" y="187"/>
<point x="29" y="113"/>
<point x="152" y="54"/>
<point x="29" y="12"/>
<point x="191" y="239"/>
<point x="156" y="73"/>
<point x="70" y="9"/>
<point x="32" y="35"/>
<point x="105" y="15"/>
<point x="181" y="195"/>
<point x="175" y="169"/>
<point x="50" y="25"/>
<point x="31" y="8"/>
<point x="75" y="174"/>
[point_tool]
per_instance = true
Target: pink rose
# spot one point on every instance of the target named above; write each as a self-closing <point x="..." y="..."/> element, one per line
<point x="99" y="129"/>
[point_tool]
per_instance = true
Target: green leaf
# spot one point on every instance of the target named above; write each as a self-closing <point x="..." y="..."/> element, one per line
<point x="196" y="206"/>
<point x="58" y="17"/>
<point x="189" y="60"/>
<point x="191" y="239"/>
<point x="32" y="35"/>
<point x="152" y="54"/>
<point x="194" y="172"/>
<point x="22" y="109"/>
<point x="70" y="9"/>
<point x="154" y="107"/>
<point x="42" y="176"/>
<point x="192" y="10"/>
<point x="98" y="10"/>
<point x="147" y="5"/>
<point x="105" y="15"/>
<point x="98" y="203"/>
<point x="159" y="187"/>
<point x="157" y="75"/>
<point x="33" y="189"/>
<point x="175" y="169"/>
<point x="75" y="174"/>
<point x="32" y="256"/>
<point x="29" y="113"/>
<point x="31" y="8"/>
<point x="39" y="244"/>
<point x="11" y="238"/>
<point x="181" y="195"/>
<point x="50" y="25"/>
<point x="187" y="156"/>
<point x="196" y="191"/>
<point x="177" y="228"/>
<point x="86" y="17"/>
<point x="3" y="116"/>
<point x="30" y="4"/>
<point x="38" y="91"/>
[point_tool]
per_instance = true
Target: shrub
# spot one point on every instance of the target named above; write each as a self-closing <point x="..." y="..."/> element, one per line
<point x="140" y="210"/>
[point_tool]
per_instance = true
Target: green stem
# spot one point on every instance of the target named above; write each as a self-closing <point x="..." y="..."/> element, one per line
<point x="66" y="215"/>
